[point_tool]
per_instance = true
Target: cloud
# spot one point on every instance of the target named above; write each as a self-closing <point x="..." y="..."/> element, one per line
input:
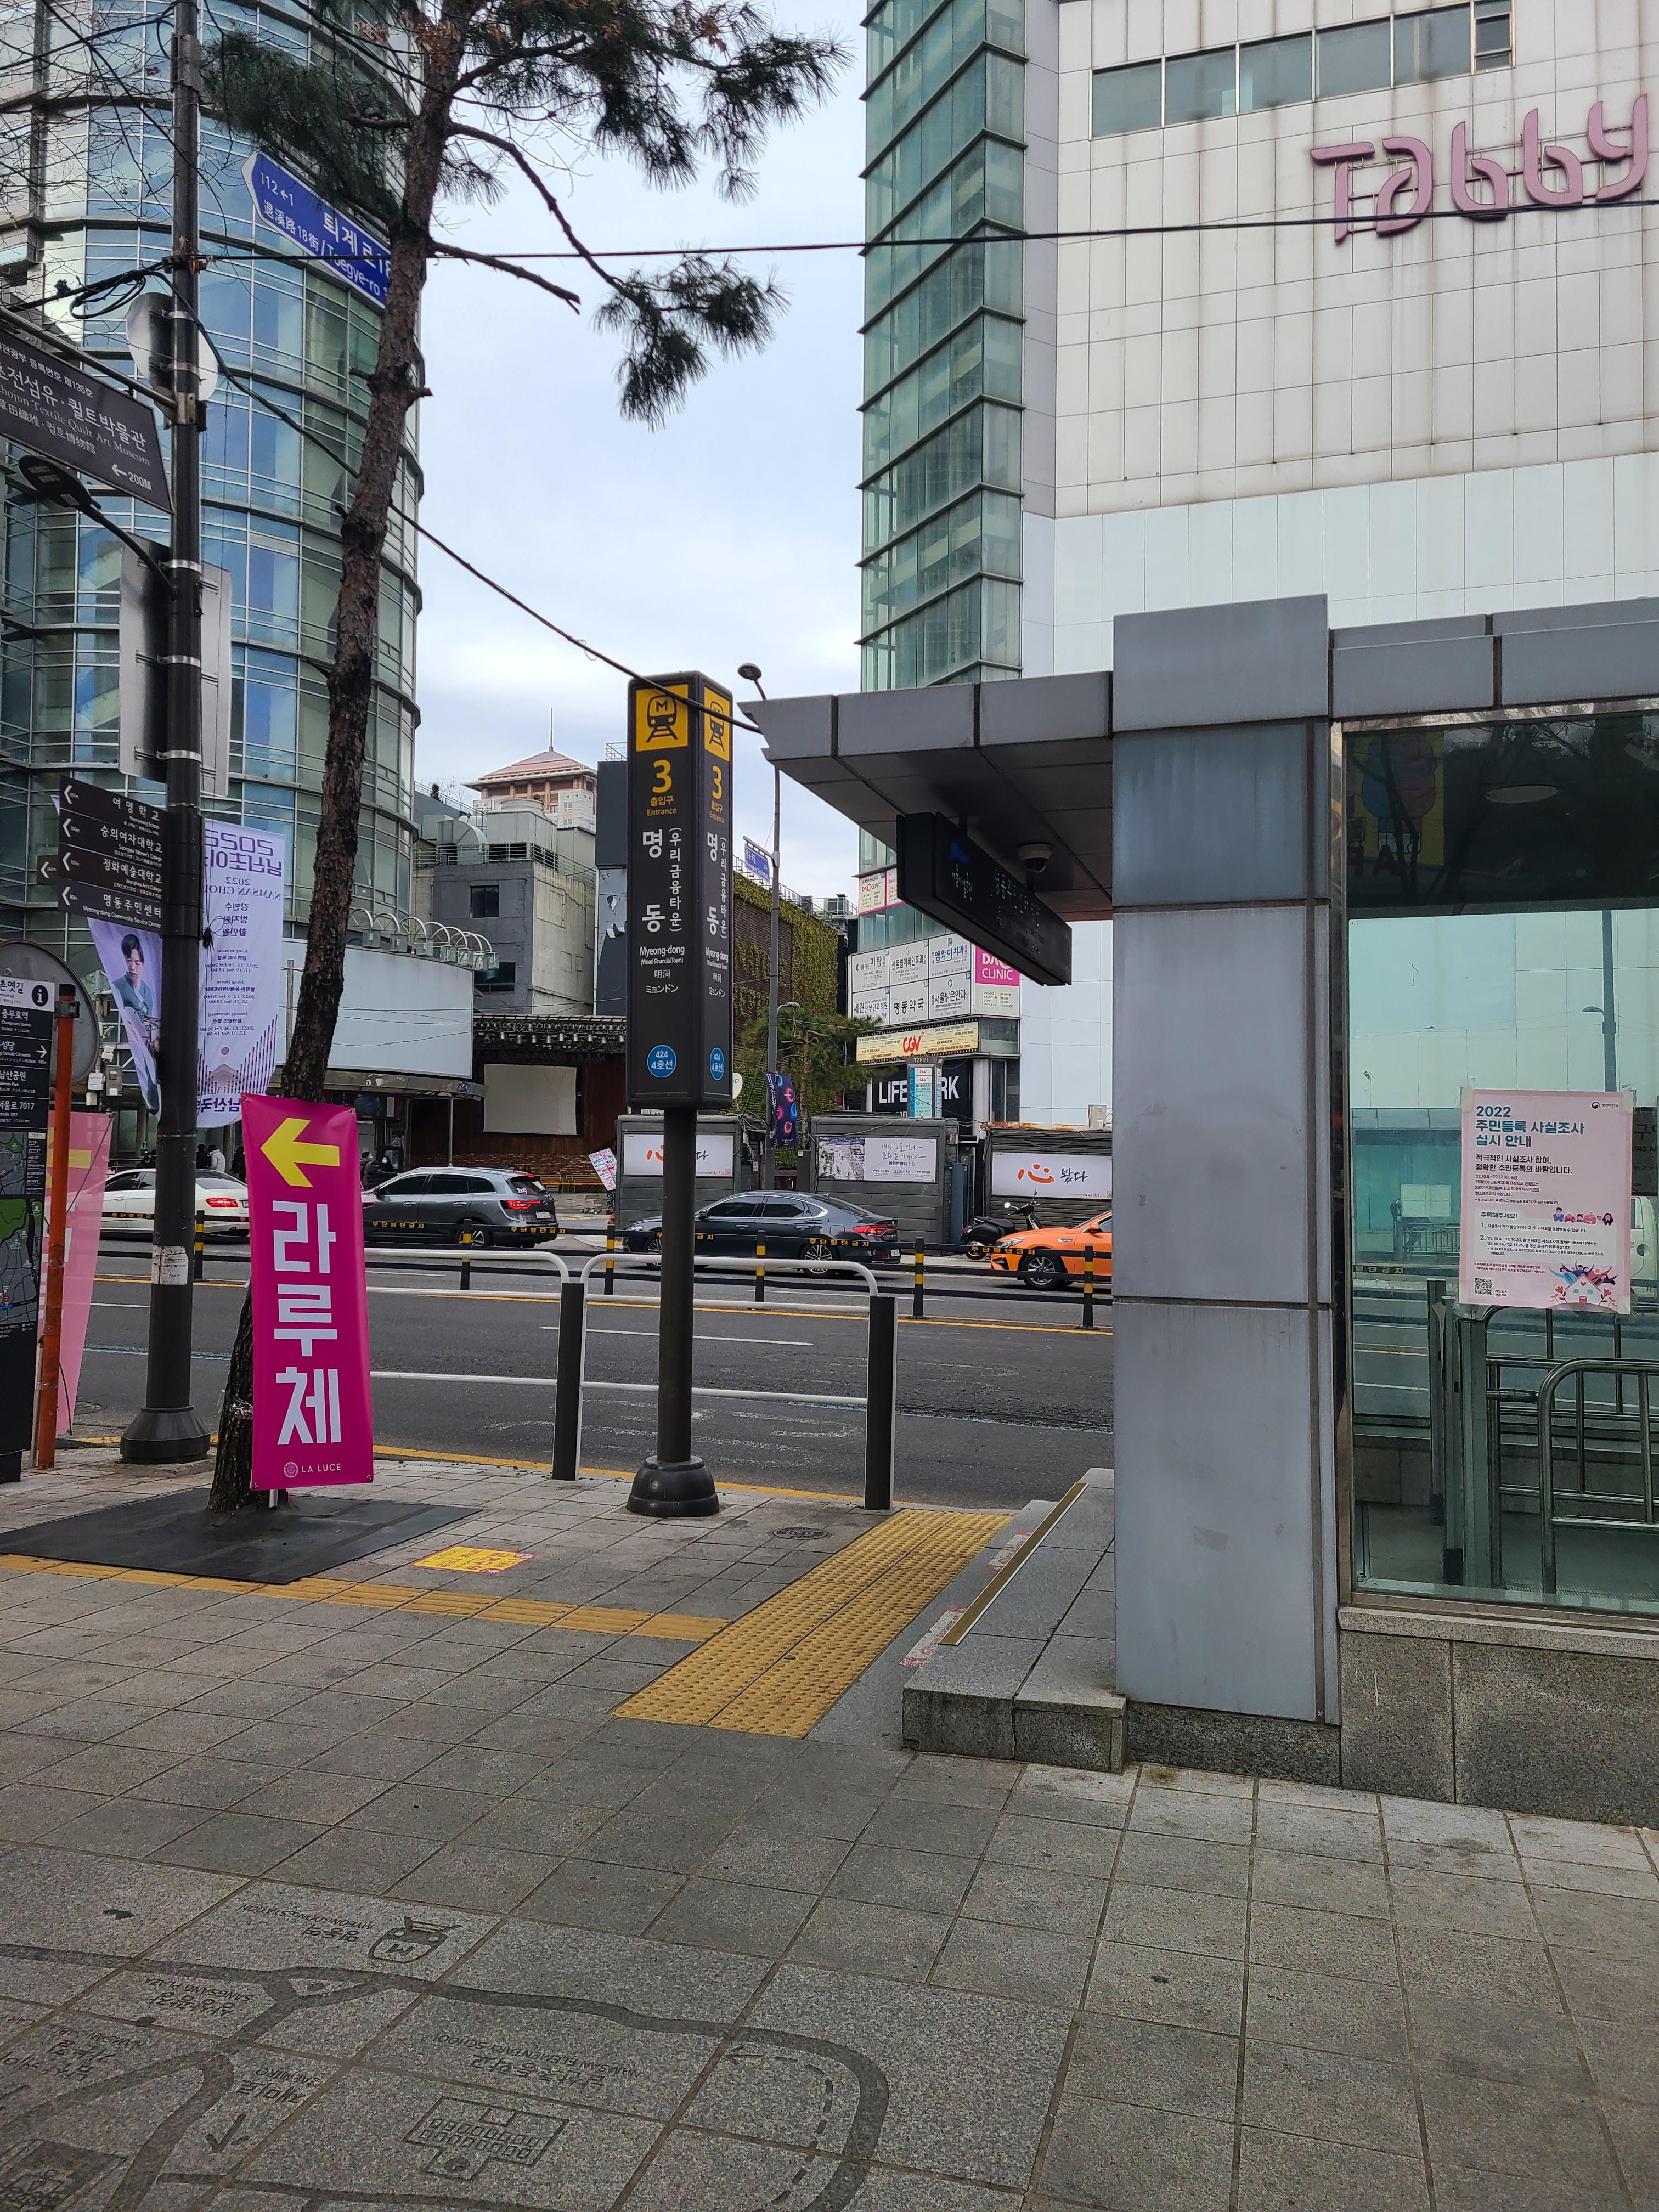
<point x="729" y="535"/>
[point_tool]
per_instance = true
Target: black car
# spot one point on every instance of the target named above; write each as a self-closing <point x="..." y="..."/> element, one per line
<point x="445" y="1205"/>
<point x="791" y="1226"/>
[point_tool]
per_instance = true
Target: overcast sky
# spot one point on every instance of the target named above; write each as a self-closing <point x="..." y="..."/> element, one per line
<point x="730" y="535"/>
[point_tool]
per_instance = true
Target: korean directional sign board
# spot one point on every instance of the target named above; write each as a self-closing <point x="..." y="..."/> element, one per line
<point x="109" y="855"/>
<point x="943" y="871"/>
<point x="25" y="1022"/>
<point x="287" y="204"/>
<point x="679" y="893"/>
<point x="51" y="407"/>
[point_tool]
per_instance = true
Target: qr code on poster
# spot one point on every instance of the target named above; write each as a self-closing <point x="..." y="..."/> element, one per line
<point x="1483" y="1286"/>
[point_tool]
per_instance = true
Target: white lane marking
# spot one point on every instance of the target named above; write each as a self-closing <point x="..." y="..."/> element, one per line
<point x="547" y="1381"/>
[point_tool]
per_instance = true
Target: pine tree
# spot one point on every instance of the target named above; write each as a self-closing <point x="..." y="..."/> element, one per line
<point x="405" y="106"/>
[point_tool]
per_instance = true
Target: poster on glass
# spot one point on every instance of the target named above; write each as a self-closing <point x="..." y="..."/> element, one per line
<point x="1546" y="1200"/>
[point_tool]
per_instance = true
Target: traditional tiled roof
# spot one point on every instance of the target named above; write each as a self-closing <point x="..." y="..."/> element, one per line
<point x="537" y="767"/>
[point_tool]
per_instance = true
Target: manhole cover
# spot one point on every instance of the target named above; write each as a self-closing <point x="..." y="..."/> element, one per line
<point x="806" y="1535"/>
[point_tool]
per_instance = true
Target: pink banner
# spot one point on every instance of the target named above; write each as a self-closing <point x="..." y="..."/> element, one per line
<point x="988" y="970"/>
<point x="88" y="1162"/>
<point x="312" y="1412"/>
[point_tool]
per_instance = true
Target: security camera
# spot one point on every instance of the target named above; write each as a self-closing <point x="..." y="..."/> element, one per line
<point x="1034" y="858"/>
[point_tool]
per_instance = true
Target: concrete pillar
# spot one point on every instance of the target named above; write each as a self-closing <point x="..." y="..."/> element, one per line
<point x="1225" y="817"/>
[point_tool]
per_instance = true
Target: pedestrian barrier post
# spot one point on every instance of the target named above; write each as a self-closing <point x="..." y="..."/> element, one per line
<point x="880" y="1388"/>
<point x="201" y="1248"/>
<point x="760" y="1273"/>
<point x="568" y="1386"/>
<point x="609" y="1264"/>
<point x="466" y="1264"/>
<point x="1088" y="1285"/>
<point x="916" y="1297"/>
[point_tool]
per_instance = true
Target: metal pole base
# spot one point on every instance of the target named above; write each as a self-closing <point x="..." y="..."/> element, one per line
<point x="680" y="1491"/>
<point x="161" y="1434"/>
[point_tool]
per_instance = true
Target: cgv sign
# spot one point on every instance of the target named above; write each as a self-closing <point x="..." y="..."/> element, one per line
<point x="1481" y="185"/>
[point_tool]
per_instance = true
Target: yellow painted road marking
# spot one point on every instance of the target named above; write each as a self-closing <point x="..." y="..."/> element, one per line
<point x="778" y="1669"/>
<point x="398" y="1597"/>
<point x="473" y="1559"/>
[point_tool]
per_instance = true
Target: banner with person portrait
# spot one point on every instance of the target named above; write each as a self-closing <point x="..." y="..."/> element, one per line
<point x="132" y="960"/>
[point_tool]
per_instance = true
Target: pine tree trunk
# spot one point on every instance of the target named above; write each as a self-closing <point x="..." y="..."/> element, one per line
<point x="393" y="389"/>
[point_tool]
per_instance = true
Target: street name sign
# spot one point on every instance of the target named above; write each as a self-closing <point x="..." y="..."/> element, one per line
<point x="289" y="205"/>
<point x="942" y="871"/>
<point x="51" y="407"/>
<point x="679" y="893"/>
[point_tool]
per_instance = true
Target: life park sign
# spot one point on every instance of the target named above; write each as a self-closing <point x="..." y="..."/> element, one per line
<point x="1481" y="186"/>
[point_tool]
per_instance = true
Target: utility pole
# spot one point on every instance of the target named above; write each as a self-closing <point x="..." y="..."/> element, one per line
<point x="169" y="1428"/>
<point x="751" y="674"/>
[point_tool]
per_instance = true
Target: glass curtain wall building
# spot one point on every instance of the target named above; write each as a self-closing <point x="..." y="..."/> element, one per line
<point x="943" y="341"/>
<point x="87" y="174"/>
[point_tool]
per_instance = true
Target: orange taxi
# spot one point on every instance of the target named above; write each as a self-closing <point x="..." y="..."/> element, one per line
<point x="1044" y="1258"/>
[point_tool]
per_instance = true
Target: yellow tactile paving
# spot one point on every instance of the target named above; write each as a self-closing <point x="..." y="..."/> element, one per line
<point x="399" y="1597"/>
<point x="778" y="1669"/>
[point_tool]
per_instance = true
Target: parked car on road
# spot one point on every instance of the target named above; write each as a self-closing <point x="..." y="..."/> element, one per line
<point x="444" y="1205"/>
<point x="221" y="1200"/>
<point x="791" y="1226"/>
<point x="1045" y="1258"/>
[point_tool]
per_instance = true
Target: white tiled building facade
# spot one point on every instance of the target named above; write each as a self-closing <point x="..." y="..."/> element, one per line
<point x="1458" y="417"/>
<point x="1454" y="418"/>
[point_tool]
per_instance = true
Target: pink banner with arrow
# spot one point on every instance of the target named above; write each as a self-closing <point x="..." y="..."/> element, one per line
<point x="312" y="1409"/>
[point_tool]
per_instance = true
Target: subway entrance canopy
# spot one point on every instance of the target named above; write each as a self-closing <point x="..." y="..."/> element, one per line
<point x="1352" y="873"/>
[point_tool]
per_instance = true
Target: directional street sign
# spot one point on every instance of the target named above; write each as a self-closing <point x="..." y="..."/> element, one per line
<point x="943" y="872"/>
<point x="25" y="1015"/>
<point x="679" y="893"/>
<point x="109" y="855"/>
<point x="51" y="407"/>
<point x="289" y="205"/>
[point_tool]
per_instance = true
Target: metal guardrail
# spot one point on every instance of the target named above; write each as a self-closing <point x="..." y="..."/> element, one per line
<point x="881" y="1371"/>
<point x="1642" y="1372"/>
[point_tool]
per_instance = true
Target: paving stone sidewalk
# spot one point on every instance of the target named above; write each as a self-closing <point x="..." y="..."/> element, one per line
<point x="314" y="1907"/>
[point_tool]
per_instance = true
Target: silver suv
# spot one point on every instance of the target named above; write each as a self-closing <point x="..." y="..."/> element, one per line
<point x="445" y="1205"/>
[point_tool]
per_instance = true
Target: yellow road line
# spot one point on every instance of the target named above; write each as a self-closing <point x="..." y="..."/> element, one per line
<point x="778" y="1669"/>
<point x="398" y="1597"/>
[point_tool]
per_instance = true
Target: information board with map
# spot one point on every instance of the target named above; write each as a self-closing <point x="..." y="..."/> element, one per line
<point x="22" y="1196"/>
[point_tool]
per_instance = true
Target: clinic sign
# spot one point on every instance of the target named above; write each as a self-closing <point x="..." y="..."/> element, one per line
<point x="313" y="1414"/>
<point x="1481" y="185"/>
<point x="1052" y="1175"/>
<point x="679" y="893"/>
<point x="1545" y="1201"/>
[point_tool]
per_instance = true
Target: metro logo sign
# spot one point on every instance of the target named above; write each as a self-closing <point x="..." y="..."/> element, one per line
<point x="312" y="1412"/>
<point x="1481" y="184"/>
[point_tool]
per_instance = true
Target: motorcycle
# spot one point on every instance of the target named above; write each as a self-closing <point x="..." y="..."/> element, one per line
<point x="987" y="1230"/>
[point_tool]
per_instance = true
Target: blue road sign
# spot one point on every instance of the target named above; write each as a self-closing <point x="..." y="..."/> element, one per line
<point x="280" y="199"/>
<point x="661" y="1060"/>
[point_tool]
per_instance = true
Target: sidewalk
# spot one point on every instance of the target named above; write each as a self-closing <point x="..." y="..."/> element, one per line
<point x="328" y="1900"/>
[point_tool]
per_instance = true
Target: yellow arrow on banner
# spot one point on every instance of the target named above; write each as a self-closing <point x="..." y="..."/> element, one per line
<point x="290" y="1158"/>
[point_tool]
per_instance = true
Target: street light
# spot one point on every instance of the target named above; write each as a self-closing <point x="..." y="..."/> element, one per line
<point x="751" y="674"/>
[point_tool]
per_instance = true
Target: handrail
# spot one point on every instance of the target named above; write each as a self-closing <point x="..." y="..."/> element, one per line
<point x="1643" y="1369"/>
<point x="646" y="1260"/>
<point x="880" y="1404"/>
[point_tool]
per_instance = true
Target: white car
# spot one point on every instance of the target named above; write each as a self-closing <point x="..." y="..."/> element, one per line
<point x="221" y="1201"/>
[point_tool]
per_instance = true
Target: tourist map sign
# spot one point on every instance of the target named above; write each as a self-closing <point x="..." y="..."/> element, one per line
<point x="679" y="893"/>
<point x="1545" y="1201"/>
<point x="313" y="1412"/>
<point x="25" y="1095"/>
<point x="25" y="1015"/>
